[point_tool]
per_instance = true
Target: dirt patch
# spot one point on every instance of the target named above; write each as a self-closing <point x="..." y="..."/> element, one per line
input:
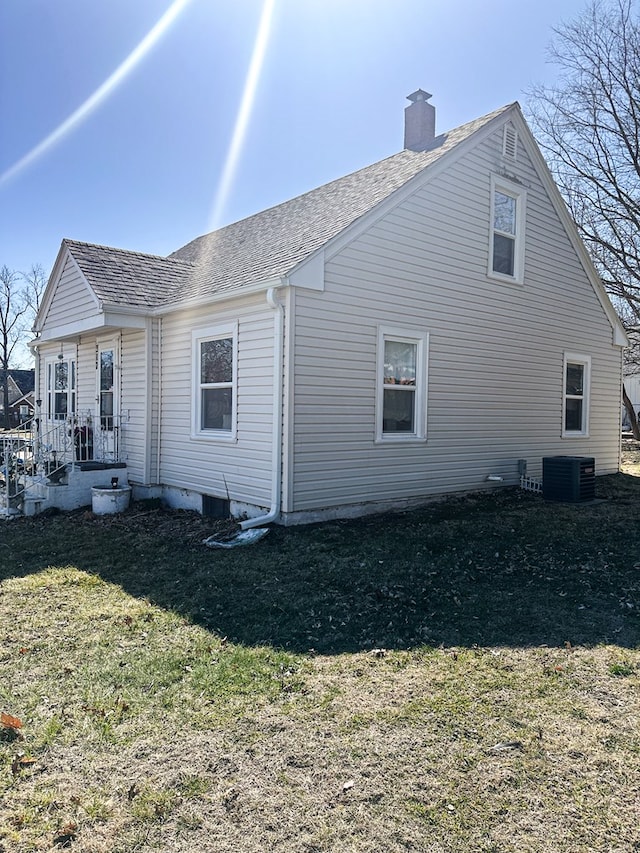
<point x="185" y="525"/>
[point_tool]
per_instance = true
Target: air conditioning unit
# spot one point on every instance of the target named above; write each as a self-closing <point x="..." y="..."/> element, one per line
<point x="568" y="478"/>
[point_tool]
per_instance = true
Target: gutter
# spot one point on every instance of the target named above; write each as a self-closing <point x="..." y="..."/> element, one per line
<point x="278" y="395"/>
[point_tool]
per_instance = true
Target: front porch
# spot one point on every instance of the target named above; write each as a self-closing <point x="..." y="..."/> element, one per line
<point x="54" y="464"/>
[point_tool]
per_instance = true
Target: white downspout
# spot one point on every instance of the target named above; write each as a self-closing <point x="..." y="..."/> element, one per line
<point x="159" y="425"/>
<point x="278" y="393"/>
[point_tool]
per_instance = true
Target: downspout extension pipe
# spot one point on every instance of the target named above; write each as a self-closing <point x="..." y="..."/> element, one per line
<point x="278" y="393"/>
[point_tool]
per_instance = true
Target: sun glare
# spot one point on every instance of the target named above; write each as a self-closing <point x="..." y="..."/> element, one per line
<point x="100" y="94"/>
<point x="244" y="114"/>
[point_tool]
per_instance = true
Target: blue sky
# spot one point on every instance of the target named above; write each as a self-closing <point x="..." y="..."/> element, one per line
<point x="143" y="168"/>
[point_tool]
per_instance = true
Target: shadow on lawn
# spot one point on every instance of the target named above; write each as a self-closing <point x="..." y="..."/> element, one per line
<point x="498" y="569"/>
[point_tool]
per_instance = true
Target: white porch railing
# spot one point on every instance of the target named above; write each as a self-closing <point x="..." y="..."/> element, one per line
<point x="44" y="448"/>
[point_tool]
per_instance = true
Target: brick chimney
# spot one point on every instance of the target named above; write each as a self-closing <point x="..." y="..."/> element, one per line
<point x="419" y="122"/>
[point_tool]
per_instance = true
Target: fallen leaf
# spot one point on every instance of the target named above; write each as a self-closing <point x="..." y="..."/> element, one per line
<point x="9" y="722"/>
<point x="20" y="762"/>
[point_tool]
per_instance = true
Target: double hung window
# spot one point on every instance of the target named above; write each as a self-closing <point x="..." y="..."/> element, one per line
<point x="214" y="360"/>
<point x="506" y="249"/>
<point x="576" y="386"/>
<point x="401" y="392"/>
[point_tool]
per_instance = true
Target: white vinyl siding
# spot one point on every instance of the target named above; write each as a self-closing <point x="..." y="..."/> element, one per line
<point x="132" y="385"/>
<point x="495" y="353"/>
<point x="72" y="299"/>
<point x="241" y="469"/>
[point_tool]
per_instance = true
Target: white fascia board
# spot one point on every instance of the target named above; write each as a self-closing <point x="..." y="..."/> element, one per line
<point x="94" y="323"/>
<point x="619" y="335"/>
<point x="219" y="296"/>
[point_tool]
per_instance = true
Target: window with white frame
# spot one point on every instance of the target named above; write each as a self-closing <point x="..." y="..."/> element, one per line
<point x="506" y="248"/>
<point x="214" y="363"/>
<point x="61" y="387"/>
<point x="402" y="384"/>
<point x="576" y="387"/>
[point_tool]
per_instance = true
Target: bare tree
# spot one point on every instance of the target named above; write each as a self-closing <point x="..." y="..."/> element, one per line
<point x="588" y="124"/>
<point x="14" y="309"/>
<point x="35" y="281"/>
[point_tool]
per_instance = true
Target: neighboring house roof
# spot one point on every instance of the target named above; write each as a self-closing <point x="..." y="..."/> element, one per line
<point x="23" y="380"/>
<point x="26" y="399"/>
<point x="262" y="247"/>
<point x="20" y="382"/>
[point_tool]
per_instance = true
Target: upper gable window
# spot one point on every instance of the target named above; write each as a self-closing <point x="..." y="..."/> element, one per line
<point x="506" y="248"/>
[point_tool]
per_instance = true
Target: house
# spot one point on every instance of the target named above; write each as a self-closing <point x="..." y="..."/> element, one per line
<point x="426" y="325"/>
<point x="21" y="405"/>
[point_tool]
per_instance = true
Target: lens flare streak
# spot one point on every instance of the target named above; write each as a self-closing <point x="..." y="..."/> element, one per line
<point x="244" y="114"/>
<point x="101" y="93"/>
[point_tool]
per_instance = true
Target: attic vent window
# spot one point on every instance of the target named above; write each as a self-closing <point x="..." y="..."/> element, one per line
<point x="510" y="142"/>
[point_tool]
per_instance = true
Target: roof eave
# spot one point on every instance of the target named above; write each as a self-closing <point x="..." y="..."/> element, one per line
<point x="220" y="296"/>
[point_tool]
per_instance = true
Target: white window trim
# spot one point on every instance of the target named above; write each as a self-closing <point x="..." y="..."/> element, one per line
<point x="420" y="337"/>
<point x="207" y="333"/>
<point x="585" y="360"/>
<point x="499" y="184"/>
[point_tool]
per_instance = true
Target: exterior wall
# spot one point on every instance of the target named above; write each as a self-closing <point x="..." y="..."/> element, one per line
<point x="495" y="374"/>
<point x="71" y="301"/>
<point x="240" y="470"/>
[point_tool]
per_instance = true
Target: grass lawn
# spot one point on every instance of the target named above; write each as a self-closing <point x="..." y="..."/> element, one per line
<point x="458" y="678"/>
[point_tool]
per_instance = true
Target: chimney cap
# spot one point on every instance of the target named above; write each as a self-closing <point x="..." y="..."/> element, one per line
<point x="419" y="95"/>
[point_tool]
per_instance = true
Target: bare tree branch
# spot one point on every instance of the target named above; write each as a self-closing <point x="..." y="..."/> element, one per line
<point x="588" y="125"/>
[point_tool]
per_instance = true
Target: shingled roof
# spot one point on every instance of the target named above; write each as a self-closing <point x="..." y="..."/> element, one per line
<point x="262" y="247"/>
<point x="120" y="277"/>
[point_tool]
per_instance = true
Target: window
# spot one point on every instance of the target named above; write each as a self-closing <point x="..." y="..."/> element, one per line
<point x="61" y="388"/>
<point x="577" y="376"/>
<point x="214" y="359"/>
<point x="105" y="388"/>
<point x="402" y="376"/>
<point x="506" y="250"/>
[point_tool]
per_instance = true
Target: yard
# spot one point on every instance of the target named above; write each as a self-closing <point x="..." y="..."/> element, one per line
<point x="459" y="678"/>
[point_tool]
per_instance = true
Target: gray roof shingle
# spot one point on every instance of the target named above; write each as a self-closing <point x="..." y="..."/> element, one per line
<point x="121" y="277"/>
<point x="261" y="247"/>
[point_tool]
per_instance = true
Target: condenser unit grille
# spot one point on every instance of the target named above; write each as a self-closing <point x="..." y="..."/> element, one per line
<point x="569" y="478"/>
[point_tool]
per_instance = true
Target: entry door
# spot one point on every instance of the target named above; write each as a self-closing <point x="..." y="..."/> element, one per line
<point x="107" y="418"/>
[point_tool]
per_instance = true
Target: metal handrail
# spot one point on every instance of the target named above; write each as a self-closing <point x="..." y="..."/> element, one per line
<point x="45" y="447"/>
